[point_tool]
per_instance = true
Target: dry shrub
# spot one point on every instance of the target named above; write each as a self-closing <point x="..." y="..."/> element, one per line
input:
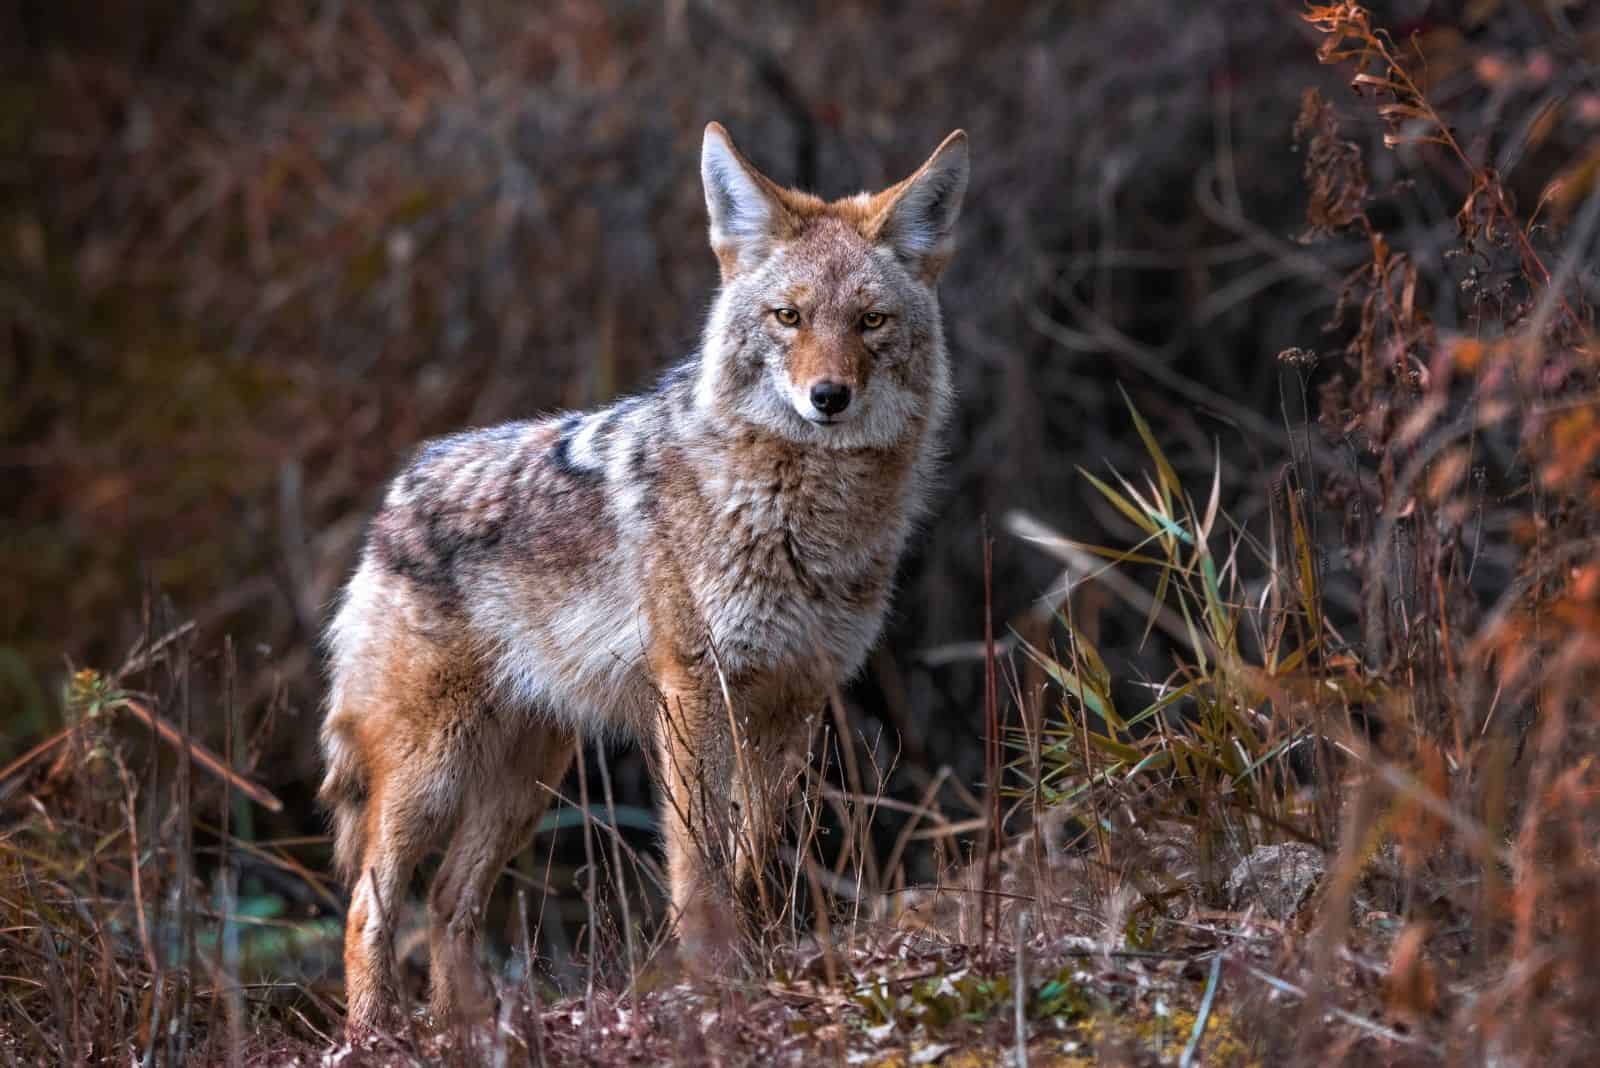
<point x="1402" y="667"/>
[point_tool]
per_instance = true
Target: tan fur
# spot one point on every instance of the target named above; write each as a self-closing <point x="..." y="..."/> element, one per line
<point x="698" y="567"/>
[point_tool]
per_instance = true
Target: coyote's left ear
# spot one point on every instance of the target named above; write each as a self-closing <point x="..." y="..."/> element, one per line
<point x="918" y="219"/>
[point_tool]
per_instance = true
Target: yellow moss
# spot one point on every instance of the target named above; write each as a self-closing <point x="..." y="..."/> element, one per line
<point x="1167" y="1035"/>
<point x="1163" y="1035"/>
<point x="1042" y="1053"/>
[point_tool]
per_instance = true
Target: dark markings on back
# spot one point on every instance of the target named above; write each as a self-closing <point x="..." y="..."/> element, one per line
<point x="561" y="452"/>
<point x="428" y="536"/>
<point x="643" y="473"/>
<point x="430" y="544"/>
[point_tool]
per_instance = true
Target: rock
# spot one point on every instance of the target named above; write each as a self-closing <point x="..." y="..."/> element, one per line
<point x="1276" y="879"/>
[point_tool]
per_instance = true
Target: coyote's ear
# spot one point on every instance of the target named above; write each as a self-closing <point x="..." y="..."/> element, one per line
<point x="745" y="206"/>
<point x="919" y="219"/>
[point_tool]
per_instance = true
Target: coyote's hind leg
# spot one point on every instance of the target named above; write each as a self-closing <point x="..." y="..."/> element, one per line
<point x="391" y="848"/>
<point x="498" y="817"/>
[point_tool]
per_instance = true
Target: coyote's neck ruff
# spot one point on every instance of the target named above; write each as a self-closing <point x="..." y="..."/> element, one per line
<point x="699" y="566"/>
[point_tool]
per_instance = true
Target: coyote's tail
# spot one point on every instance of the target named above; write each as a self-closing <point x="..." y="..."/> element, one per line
<point x="344" y="795"/>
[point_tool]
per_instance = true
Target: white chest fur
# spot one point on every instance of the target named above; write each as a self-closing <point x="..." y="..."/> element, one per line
<point x="793" y="572"/>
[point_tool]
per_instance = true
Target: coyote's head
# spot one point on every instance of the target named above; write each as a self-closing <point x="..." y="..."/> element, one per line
<point x="826" y="329"/>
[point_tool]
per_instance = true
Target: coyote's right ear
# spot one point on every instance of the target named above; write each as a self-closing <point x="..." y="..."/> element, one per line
<point x="746" y="207"/>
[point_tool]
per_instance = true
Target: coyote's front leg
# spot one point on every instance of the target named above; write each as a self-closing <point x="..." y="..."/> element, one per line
<point x="696" y="775"/>
<point x="724" y="781"/>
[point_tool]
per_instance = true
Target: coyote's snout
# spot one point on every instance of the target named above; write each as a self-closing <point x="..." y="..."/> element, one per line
<point x="697" y="566"/>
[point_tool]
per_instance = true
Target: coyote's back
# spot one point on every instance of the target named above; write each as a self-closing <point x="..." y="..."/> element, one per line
<point x="698" y="566"/>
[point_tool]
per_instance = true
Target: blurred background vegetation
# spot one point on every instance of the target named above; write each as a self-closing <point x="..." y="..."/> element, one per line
<point x="251" y="254"/>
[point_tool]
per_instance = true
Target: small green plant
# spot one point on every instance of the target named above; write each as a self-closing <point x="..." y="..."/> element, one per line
<point x="1212" y="734"/>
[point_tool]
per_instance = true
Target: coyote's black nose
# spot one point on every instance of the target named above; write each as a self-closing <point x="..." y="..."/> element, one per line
<point x="830" y="398"/>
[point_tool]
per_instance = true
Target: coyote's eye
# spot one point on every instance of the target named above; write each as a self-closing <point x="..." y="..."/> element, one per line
<point x="786" y="316"/>
<point x="873" y="320"/>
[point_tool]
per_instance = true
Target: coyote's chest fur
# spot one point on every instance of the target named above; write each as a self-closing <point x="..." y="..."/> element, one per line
<point x="796" y="553"/>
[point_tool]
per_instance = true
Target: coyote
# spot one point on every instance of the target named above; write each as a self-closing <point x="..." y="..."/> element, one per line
<point x="698" y="567"/>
